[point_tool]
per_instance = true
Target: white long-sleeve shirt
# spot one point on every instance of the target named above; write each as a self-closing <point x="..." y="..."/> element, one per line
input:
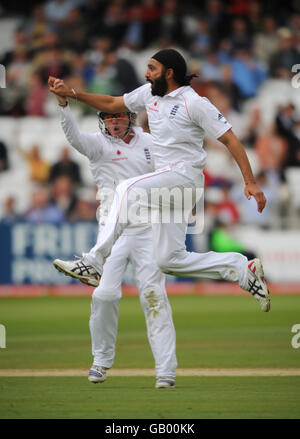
<point x="111" y="160"/>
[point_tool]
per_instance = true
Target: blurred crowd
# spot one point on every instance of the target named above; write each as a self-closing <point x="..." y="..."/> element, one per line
<point x="237" y="44"/>
<point x="57" y="192"/>
<point x="234" y="47"/>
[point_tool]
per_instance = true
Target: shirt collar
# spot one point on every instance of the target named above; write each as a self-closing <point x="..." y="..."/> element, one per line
<point x="176" y="92"/>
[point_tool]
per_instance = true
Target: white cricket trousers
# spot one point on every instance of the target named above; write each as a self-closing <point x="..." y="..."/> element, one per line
<point x="168" y="238"/>
<point x="137" y="249"/>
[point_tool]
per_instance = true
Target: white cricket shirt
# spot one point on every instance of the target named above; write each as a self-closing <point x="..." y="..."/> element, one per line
<point x="178" y="123"/>
<point x="111" y="160"/>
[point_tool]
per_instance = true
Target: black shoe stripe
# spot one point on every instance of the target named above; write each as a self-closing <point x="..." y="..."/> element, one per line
<point x="255" y="288"/>
<point x="81" y="269"/>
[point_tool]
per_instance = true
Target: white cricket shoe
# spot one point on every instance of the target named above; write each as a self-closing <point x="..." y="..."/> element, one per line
<point x="257" y="285"/>
<point x="80" y="270"/>
<point x="165" y="382"/>
<point x="97" y="374"/>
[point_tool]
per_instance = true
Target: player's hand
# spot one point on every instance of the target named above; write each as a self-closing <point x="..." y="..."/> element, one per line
<point x="251" y="189"/>
<point x="51" y="80"/>
<point x="58" y="87"/>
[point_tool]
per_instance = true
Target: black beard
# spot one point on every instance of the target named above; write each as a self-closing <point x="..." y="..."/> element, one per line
<point x="159" y="86"/>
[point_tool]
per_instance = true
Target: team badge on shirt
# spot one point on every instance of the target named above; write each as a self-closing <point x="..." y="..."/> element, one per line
<point x="147" y="155"/>
<point x="174" y="111"/>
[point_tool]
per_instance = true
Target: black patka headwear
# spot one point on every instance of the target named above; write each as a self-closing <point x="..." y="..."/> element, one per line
<point x="171" y="59"/>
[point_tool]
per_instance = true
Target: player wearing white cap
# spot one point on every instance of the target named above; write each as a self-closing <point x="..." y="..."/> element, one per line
<point x="118" y="151"/>
<point x="178" y="120"/>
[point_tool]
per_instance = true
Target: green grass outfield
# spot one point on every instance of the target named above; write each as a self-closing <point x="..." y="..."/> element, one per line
<point x="212" y="332"/>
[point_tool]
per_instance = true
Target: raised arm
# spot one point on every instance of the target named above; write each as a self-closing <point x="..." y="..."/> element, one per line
<point x="86" y="143"/>
<point x="109" y="104"/>
<point x="233" y="144"/>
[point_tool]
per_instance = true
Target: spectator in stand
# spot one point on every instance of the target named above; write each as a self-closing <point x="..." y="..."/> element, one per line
<point x="36" y="98"/>
<point x="73" y="31"/>
<point x="80" y="66"/>
<point x="224" y="51"/>
<point x="113" y="22"/>
<point x="238" y="7"/>
<point x="282" y="60"/>
<point x="65" y="166"/>
<point x="227" y="208"/>
<point x="126" y="76"/>
<point x="63" y="195"/>
<point x="202" y="40"/>
<point x="219" y="205"/>
<point x="17" y="77"/>
<point x="295" y="27"/>
<point x="211" y="68"/>
<point x="254" y="127"/>
<point x="255" y="15"/>
<point x="58" y="11"/>
<point x="171" y="24"/>
<point x="286" y="126"/>
<point x="18" y="69"/>
<point x="229" y="87"/>
<point x="134" y="34"/>
<point x="40" y="55"/>
<point x="42" y="209"/>
<point x="54" y="64"/>
<point x="50" y="41"/>
<point x="248" y="73"/>
<point x="4" y="165"/>
<point x="38" y="167"/>
<point x="85" y="207"/>
<point x="266" y="42"/>
<point x="271" y="150"/>
<point x="269" y="182"/>
<point x="220" y="208"/>
<point x="218" y="20"/>
<point x="36" y="27"/>
<point x="240" y="35"/>
<point x="297" y="129"/>
<point x="105" y="78"/>
<point x="10" y="214"/>
<point x="114" y="76"/>
<point x="286" y="120"/>
<point x="93" y="14"/>
<point x="150" y="15"/>
<point x="20" y="44"/>
<point x="100" y="47"/>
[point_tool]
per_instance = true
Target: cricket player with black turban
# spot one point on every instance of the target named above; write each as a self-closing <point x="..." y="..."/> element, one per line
<point x="178" y="120"/>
